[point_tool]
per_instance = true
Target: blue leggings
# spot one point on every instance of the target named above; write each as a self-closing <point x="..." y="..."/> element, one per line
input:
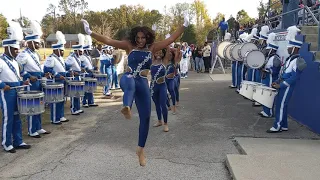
<point x="138" y="89"/>
<point x="159" y="98"/>
<point x="171" y="89"/>
<point x="177" y="86"/>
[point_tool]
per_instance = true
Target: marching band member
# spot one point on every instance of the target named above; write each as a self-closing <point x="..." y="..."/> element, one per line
<point x="241" y="69"/>
<point x="262" y="47"/>
<point x="73" y="64"/>
<point x="186" y="53"/>
<point x="271" y="71"/>
<point x="9" y="77"/>
<point x="234" y="65"/>
<point x="251" y="73"/>
<point x="86" y="62"/>
<point x="55" y="65"/>
<point x="291" y="71"/>
<point x="134" y="82"/>
<point x="29" y="60"/>
<point x="114" y="74"/>
<point x="107" y="60"/>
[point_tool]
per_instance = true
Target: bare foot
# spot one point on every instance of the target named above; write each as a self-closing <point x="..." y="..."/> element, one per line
<point x="141" y="156"/>
<point x="159" y="123"/>
<point x="166" y="128"/>
<point x="174" y="110"/>
<point x="126" y="112"/>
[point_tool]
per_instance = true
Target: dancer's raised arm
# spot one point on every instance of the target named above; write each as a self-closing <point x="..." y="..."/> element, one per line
<point x="125" y="45"/>
<point x="163" y="44"/>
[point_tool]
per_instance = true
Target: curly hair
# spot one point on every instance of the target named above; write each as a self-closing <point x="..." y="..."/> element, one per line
<point x="149" y="33"/>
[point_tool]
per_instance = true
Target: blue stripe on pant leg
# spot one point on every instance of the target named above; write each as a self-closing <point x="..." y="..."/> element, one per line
<point x="281" y="107"/>
<point x="143" y="103"/>
<point x="32" y="124"/>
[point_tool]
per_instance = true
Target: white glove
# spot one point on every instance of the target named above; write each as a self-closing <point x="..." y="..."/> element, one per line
<point x="186" y="20"/>
<point x="167" y="36"/>
<point x="86" y="26"/>
<point x="154" y="27"/>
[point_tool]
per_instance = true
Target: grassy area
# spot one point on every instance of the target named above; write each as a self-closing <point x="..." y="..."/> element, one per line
<point x="45" y="52"/>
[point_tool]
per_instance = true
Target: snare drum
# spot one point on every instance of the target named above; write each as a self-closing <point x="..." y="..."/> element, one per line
<point x="221" y="47"/>
<point x="264" y="95"/>
<point x="247" y="88"/>
<point x="102" y="79"/>
<point x="246" y="47"/>
<point x="31" y="102"/>
<point x="234" y="52"/>
<point x="54" y="92"/>
<point x="254" y="59"/>
<point x="226" y="52"/>
<point x="90" y="85"/>
<point x="75" y="89"/>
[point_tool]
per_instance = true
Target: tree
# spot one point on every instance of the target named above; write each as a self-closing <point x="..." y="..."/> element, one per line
<point x="243" y="18"/>
<point x="190" y="34"/>
<point x="3" y="27"/>
<point x="203" y="21"/>
<point x="231" y="22"/>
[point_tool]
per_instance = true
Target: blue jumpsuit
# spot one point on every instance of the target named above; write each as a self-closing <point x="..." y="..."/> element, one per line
<point x="171" y="84"/>
<point x="271" y="75"/>
<point x="34" y="122"/>
<point x="287" y="81"/>
<point x="135" y="87"/>
<point x="57" y="109"/>
<point x="106" y="68"/>
<point x="11" y="122"/>
<point x="159" y="91"/>
<point x="177" y="82"/>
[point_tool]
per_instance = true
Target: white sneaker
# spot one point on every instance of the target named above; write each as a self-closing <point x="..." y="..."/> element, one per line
<point x="85" y="106"/>
<point x="257" y="104"/>
<point x="41" y="131"/>
<point x="34" y="134"/>
<point x="284" y="129"/>
<point x="108" y="93"/>
<point x="63" y="119"/>
<point x="8" y="148"/>
<point x="80" y="111"/>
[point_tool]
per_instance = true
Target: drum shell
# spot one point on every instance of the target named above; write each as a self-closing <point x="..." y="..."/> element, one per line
<point x="221" y="47"/>
<point x="226" y="53"/>
<point x="265" y="95"/>
<point x="54" y="92"/>
<point x="234" y="52"/>
<point x="31" y="102"/>
<point x="247" y="88"/>
<point x="90" y="85"/>
<point x="102" y="79"/>
<point x="258" y="66"/>
<point x="75" y="89"/>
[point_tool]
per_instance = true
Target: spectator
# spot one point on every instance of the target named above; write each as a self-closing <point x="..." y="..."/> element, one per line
<point x="198" y="59"/>
<point x="236" y="29"/>
<point x="223" y="25"/>
<point x="206" y="56"/>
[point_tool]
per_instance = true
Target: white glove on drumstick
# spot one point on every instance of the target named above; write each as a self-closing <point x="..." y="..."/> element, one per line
<point x="86" y="26"/>
<point x="186" y="20"/>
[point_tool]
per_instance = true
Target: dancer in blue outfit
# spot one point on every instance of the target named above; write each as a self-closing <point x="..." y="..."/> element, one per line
<point x="174" y="58"/>
<point x="270" y="72"/>
<point x="158" y="85"/>
<point x="139" y="46"/>
<point x="9" y="78"/>
<point x="55" y="65"/>
<point x="291" y="71"/>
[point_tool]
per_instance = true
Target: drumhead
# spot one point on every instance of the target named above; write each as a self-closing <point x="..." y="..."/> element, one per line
<point x="221" y="48"/>
<point x="226" y="52"/>
<point x="246" y="47"/>
<point x="234" y="52"/>
<point x="254" y="59"/>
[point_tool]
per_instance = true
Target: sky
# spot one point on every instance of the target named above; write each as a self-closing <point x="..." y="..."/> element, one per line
<point x="36" y="9"/>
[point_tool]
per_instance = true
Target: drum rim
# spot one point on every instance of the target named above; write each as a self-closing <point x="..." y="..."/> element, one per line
<point x="246" y="55"/>
<point x="53" y="85"/>
<point x="100" y="75"/>
<point x="217" y="49"/>
<point x="225" y="51"/>
<point x="231" y="52"/>
<point x="76" y="83"/>
<point x="23" y="95"/>
<point x="239" y="51"/>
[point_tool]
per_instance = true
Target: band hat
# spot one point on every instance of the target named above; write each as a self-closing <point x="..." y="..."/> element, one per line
<point x="36" y="32"/>
<point x="271" y="43"/>
<point x="15" y="35"/>
<point x="88" y="43"/>
<point x="264" y="32"/>
<point x="291" y="37"/>
<point x="61" y="41"/>
<point x="80" y="45"/>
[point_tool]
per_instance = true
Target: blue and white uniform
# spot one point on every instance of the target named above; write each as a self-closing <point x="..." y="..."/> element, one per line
<point x="106" y="61"/>
<point x="86" y="63"/>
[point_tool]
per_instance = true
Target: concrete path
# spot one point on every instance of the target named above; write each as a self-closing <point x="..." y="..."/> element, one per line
<point x="101" y="144"/>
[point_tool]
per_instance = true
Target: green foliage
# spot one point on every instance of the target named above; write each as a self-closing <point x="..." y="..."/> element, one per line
<point x="3" y="27"/>
<point x="190" y="35"/>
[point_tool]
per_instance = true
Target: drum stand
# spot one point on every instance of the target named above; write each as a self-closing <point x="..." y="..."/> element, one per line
<point x="214" y="63"/>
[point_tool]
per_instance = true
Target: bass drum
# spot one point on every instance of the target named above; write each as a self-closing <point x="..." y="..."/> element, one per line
<point x="246" y="47"/>
<point x="234" y="52"/>
<point x="254" y="59"/>
<point x="226" y="52"/>
<point x="221" y="47"/>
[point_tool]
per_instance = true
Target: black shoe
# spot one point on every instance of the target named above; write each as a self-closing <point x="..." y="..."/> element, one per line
<point x="36" y="136"/>
<point x="93" y="105"/>
<point x="25" y="146"/>
<point x="13" y="150"/>
<point x="59" y="123"/>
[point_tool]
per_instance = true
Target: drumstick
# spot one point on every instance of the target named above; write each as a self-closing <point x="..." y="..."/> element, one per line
<point x="16" y="87"/>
